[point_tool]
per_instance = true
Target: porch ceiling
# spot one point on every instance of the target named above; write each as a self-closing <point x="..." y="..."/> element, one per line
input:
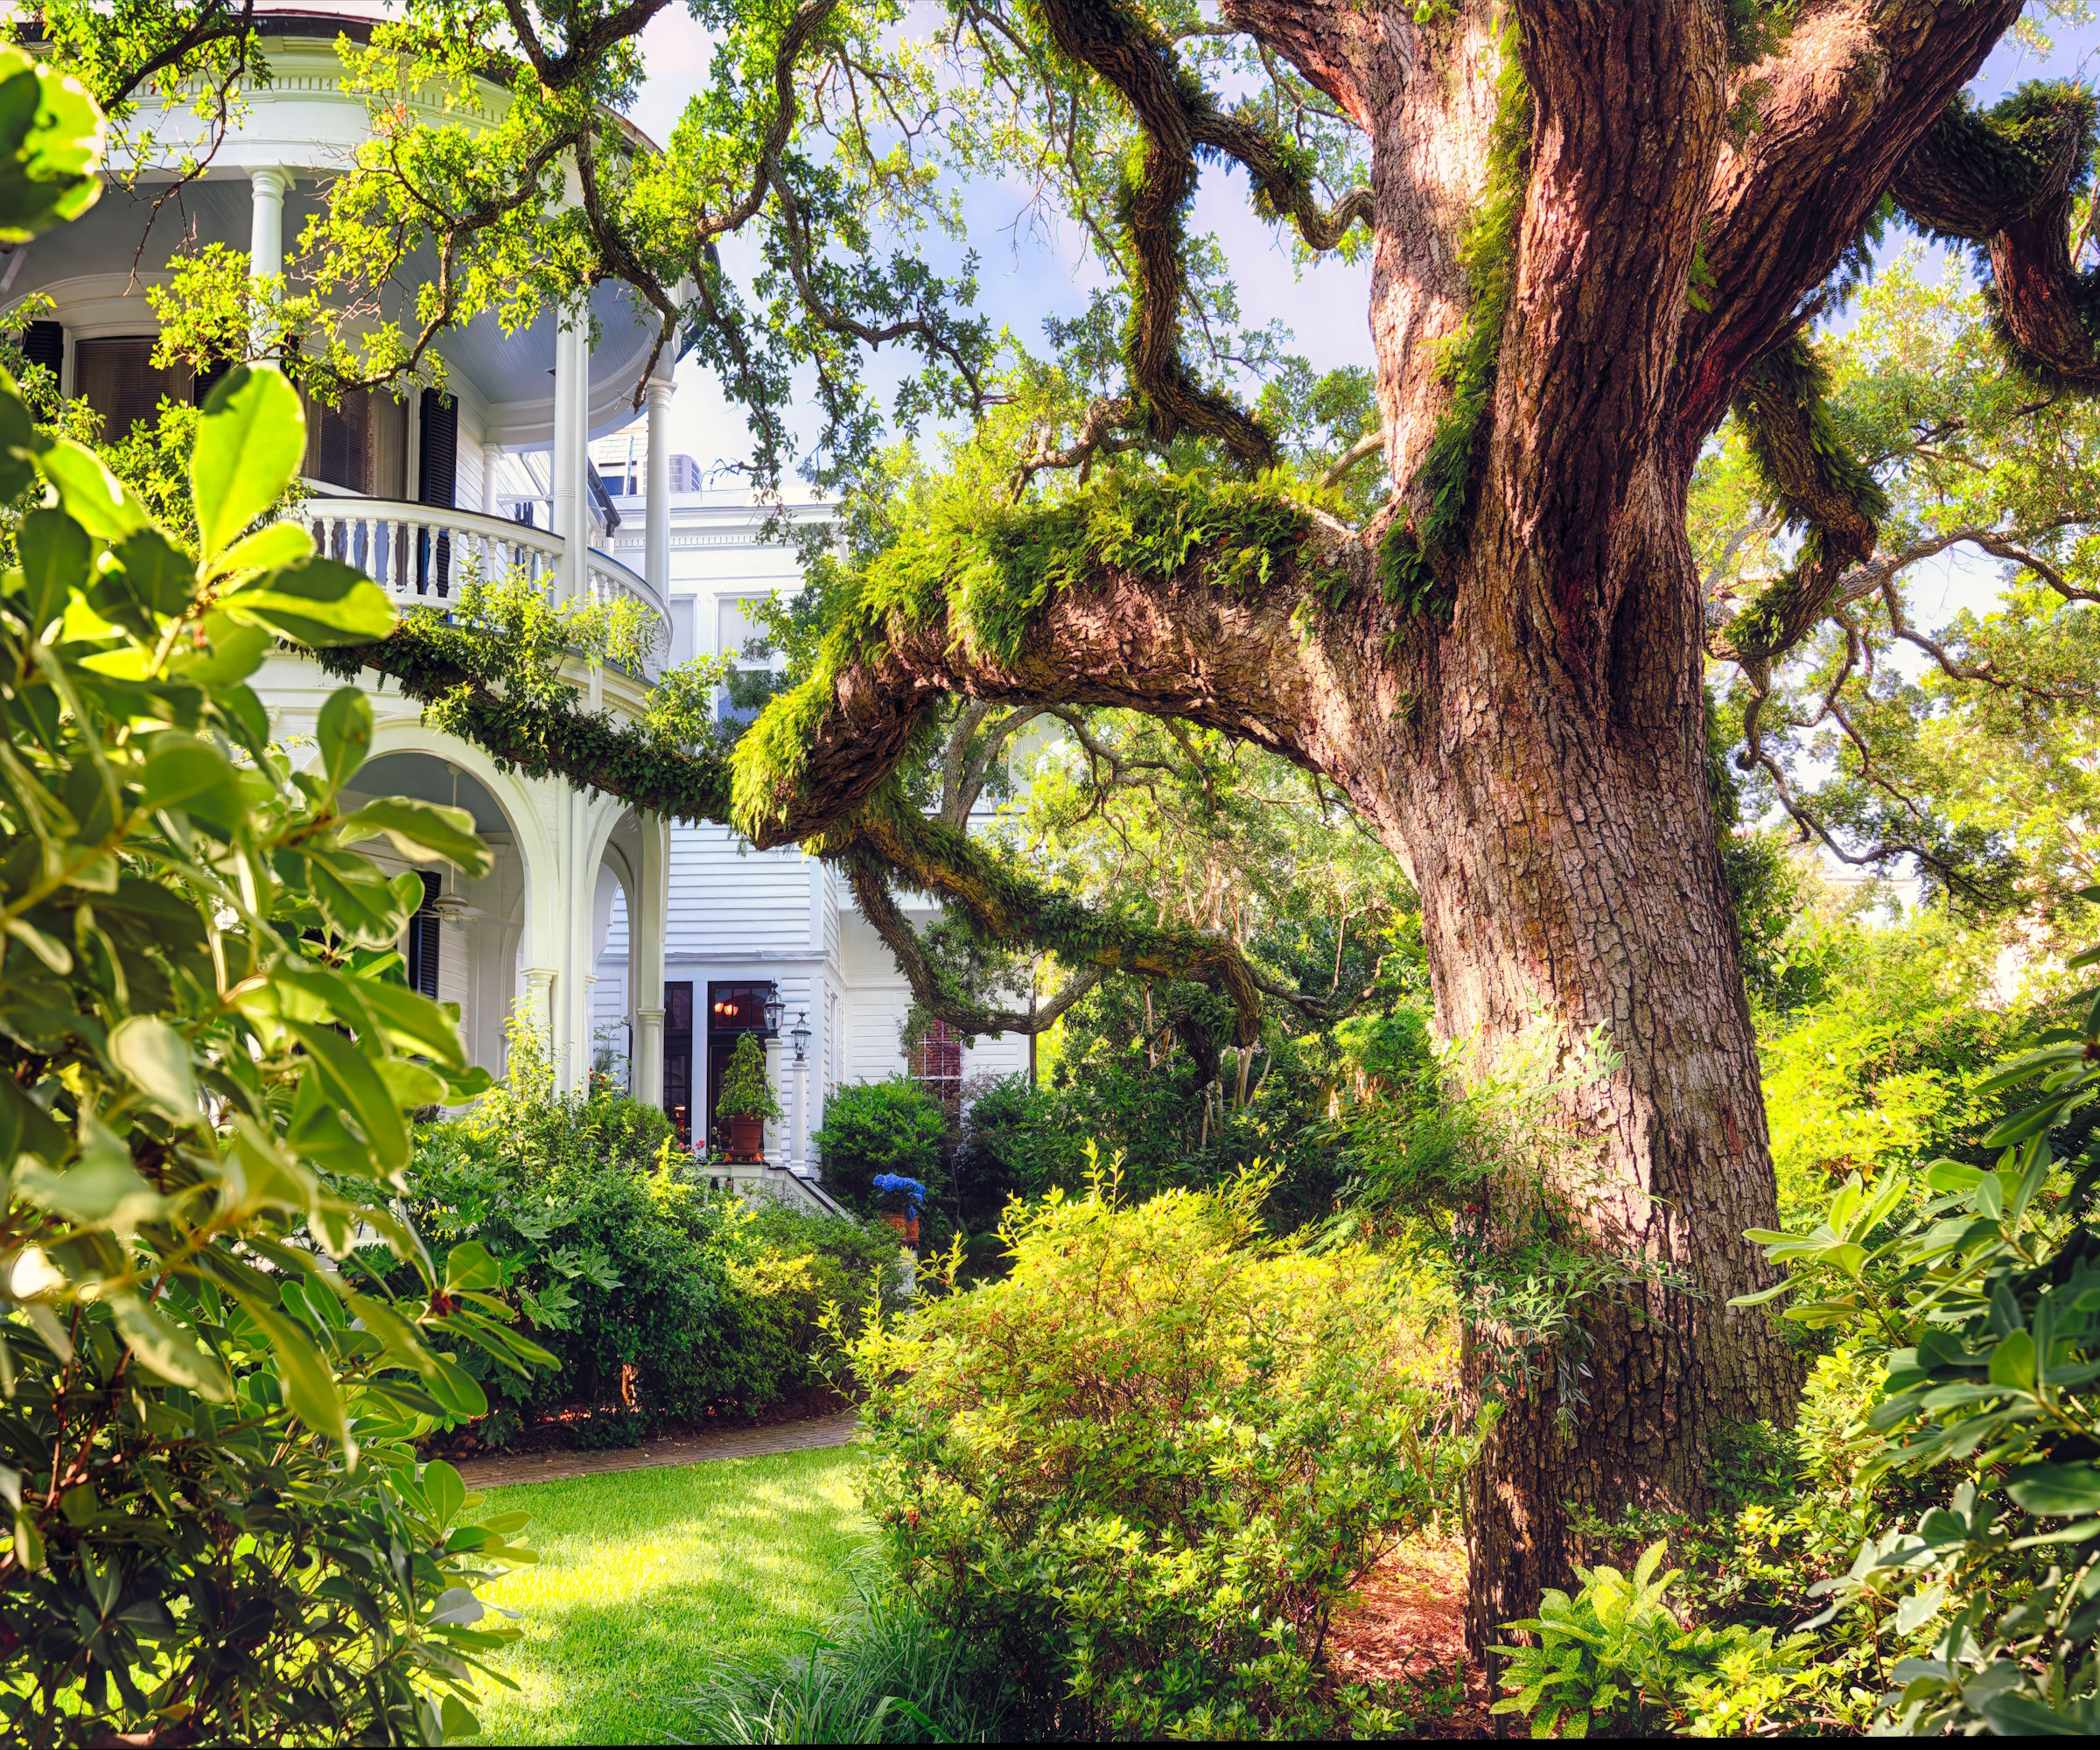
<point x="88" y="268"/>
<point x="422" y="778"/>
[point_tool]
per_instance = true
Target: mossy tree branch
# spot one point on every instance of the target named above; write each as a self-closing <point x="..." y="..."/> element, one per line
<point x="533" y="725"/>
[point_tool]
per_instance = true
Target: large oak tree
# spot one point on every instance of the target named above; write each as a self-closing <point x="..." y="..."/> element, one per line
<point x="1594" y="230"/>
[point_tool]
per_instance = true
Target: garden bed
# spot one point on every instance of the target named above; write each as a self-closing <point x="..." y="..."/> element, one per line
<point x="606" y="1427"/>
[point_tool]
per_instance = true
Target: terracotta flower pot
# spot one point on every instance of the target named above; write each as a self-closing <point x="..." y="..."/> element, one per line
<point x="906" y="1226"/>
<point x="748" y="1138"/>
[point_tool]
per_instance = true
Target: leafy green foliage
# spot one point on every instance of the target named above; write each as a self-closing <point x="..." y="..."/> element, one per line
<point x="987" y="577"/>
<point x="1983" y="1297"/>
<point x="50" y="147"/>
<point x="1890" y="1068"/>
<point x="211" y="1401"/>
<point x="872" y="1128"/>
<point x="1138" y="1471"/>
<point x="654" y="1299"/>
<point x="1616" y="1658"/>
<point x="1958" y="735"/>
<point x="884" y="1673"/>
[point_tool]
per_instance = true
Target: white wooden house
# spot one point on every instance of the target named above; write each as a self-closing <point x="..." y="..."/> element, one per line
<point x="615" y="933"/>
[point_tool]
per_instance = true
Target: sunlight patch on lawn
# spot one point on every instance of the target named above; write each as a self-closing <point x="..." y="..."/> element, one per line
<point x="647" y="1577"/>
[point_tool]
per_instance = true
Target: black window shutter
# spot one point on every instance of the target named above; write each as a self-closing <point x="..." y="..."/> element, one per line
<point x="438" y="474"/>
<point x="44" y="343"/>
<point x="438" y="483"/>
<point x="423" y="943"/>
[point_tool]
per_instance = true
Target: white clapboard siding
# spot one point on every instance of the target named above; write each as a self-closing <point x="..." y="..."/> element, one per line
<point x="724" y="903"/>
<point x="834" y="896"/>
<point x="874" y="1015"/>
<point x="996" y="1054"/>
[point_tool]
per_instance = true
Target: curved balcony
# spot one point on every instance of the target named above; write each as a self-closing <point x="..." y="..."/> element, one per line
<point x="418" y="553"/>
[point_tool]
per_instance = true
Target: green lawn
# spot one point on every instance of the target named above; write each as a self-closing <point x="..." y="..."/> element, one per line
<point x="646" y="1578"/>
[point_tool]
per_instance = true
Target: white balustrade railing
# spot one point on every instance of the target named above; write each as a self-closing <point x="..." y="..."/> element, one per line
<point x="422" y="554"/>
<point x="607" y="580"/>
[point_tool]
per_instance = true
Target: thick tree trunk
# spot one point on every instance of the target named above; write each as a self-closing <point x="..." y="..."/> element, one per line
<point x="1571" y="877"/>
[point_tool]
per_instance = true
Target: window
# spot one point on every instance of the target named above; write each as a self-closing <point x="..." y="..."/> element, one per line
<point x="936" y="1062"/>
<point x="438" y="483"/>
<point x="752" y="679"/>
<point x="44" y="344"/>
<point x="678" y="1057"/>
<point x="117" y="378"/>
<point x="360" y="444"/>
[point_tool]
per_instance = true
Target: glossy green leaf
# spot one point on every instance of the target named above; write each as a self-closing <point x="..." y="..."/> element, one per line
<point x="2056" y="1490"/>
<point x="157" y="1059"/>
<point x="308" y="1386"/>
<point x="92" y="496"/>
<point x="279" y="543"/>
<point x="189" y="775"/>
<point x="344" y="730"/>
<point x="51" y="137"/>
<point x="250" y="444"/>
<point x="470" y="1266"/>
<point x="350" y="1076"/>
<point x="53" y="551"/>
<point x="156" y="572"/>
<point x="424" y="832"/>
<point x="444" y="1492"/>
<point x="319" y="602"/>
<point x="168" y="1350"/>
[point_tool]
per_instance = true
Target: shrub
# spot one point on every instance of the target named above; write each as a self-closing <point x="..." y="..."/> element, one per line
<point x="1140" y="1469"/>
<point x="217" y="1527"/>
<point x="879" y="1127"/>
<point x="1615" y="1658"/>
<point x="1980" y="1288"/>
<point x="655" y="1298"/>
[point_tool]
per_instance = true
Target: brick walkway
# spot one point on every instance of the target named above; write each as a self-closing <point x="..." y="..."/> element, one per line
<point x="684" y="1449"/>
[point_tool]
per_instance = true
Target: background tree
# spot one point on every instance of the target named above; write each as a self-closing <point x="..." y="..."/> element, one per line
<point x="1594" y="231"/>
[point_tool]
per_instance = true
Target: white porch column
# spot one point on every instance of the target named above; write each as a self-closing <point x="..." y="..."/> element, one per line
<point x="656" y="515"/>
<point x="798" y="1155"/>
<point x="571" y="517"/>
<point x="646" y="951"/>
<point x="579" y="879"/>
<point x="266" y="238"/>
<point x="539" y="1007"/>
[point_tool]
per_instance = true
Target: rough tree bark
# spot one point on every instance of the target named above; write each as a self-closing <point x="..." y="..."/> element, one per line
<point x="1537" y="755"/>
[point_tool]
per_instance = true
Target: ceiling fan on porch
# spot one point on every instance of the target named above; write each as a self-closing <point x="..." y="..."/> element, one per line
<point x="448" y="905"/>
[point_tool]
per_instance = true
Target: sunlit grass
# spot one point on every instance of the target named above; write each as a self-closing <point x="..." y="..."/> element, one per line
<point x="646" y="1578"/>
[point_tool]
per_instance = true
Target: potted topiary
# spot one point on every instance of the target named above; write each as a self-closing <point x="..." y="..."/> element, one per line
<point x="898" y="1199"/>
<point x="746" y="1100"/>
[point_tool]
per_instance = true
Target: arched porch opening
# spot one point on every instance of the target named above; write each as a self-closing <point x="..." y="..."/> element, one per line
<point x="474" y="939"/>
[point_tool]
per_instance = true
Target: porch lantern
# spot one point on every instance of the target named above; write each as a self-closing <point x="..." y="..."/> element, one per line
<point x="800" y="1033"/>
<point x="776" y="1011"/>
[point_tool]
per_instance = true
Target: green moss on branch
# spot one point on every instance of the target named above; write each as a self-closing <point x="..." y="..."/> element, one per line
<point x="987" y="575"/>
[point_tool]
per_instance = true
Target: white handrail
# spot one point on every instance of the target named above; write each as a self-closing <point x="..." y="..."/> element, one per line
<point x="418" y="553"/>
